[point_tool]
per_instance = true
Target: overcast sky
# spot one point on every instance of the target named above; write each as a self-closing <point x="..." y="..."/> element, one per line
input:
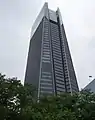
<point x="16" y="19"/>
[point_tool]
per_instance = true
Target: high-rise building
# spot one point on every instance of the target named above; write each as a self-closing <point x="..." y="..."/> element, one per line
<point x="49" y="65"/>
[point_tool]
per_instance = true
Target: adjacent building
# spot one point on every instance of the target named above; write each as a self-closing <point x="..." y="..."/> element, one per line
<point x="91" y="86"/>
<point x="49" y="64"/>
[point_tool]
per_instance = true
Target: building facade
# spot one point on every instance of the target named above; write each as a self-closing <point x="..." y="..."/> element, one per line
<point x="49" y="65"/>
<point x="90" y="86"/>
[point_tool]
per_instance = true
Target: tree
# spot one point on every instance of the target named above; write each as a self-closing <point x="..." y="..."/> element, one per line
<point x="80" y="106"/>
<point x="18" y="102"/>
<point x="14" y="97"/>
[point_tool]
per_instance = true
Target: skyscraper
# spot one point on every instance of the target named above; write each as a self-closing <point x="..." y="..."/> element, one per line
<point x="49" y="65"/>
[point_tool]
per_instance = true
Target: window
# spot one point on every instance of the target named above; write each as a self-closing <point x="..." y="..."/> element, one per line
<point x="60" y="89"/>
<point x="56" y="52"/>
<point x="56" y="55"/>
<point x="57" y="69"/>
<point x="44" y="55"/>
<point x="45" y="61"/>
<point x="56" y="45"/>
<point x="57" y="59"/>
<point x="59" y="78"/>
<point x="46" y="85"/>
<point x="68" y="87"/>
<point x="42" y="91"/>
<point x="67" y="84"/>
<point x="60" y="85"/>
<point x="59" y="75"/>
<point x="46" y="88"/>
<point x="48" y="73"/>
<point x="55" y="37"/>
<point x="46" y="47"/>
<point x="46" y="34"/>
<point x="46" y="80"/>
<point x="65" y="66"/>
<point x="45" y="37"/>
<point x="46" y="52"/>
<point x="46" y="76"/>
<point x="56" y="41"/>
<point x="46" y="29"/>
<point x="54" y="30"/>
<point x="56" y="48"/>
<point x="60" y="82"/>
<point x="58" y="64"/>
<point x="66" y="74"/>
<point x="46" y="24"/>
<point x="45" y="42"/>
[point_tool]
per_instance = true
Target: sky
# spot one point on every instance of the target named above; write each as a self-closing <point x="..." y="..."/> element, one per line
<point x="16" y="20"/>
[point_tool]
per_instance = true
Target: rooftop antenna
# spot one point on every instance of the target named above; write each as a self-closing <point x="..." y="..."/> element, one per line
<point x="90" y="78"/>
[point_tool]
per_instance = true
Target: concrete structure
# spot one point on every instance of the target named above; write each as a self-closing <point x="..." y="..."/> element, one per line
<point x="91" y="86"/>
<point x="49" y="65"/>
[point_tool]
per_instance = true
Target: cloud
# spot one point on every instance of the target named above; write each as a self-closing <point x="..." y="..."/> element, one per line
<point x="78" y="19"/>
<point x="16" y="21"/>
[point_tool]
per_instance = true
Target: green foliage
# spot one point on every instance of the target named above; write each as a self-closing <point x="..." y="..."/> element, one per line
<point x="18" y="102"/>
<point x="14" y="97"/>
